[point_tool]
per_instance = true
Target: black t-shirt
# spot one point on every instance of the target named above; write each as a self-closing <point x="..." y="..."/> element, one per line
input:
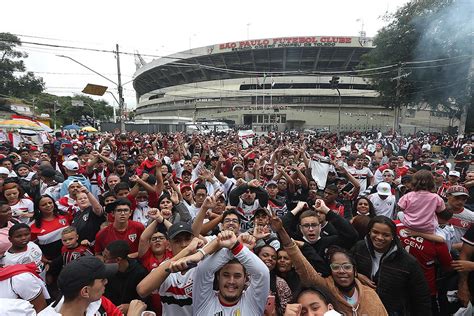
<point x="468" y="238"/>
<point x="87" y="224"/>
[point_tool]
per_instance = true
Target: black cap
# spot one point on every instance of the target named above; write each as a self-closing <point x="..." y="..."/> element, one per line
<point x="82" y="272"/>
<point x="261" y="210"/>
<point x="178" y="228"/>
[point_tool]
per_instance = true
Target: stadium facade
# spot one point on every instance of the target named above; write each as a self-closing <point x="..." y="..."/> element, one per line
<point x="273" y="83"/>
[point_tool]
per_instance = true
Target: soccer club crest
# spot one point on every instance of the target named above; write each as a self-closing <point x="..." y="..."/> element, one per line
<point x="62" y="221"/>
<point x="132" y="237"/>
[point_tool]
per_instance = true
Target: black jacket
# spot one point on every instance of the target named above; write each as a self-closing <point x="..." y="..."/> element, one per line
<point x="122" y="287"/>
<point x="401" y="284"/>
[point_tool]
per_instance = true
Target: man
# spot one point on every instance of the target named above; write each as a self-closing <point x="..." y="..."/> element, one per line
<point x="427" y="253"/>
<point x="363" y="174"/>
<point x="453" y="178"/>
<point x="463" y="160"/>
<point x="175" y="289"/>
<point x="465" y="267"/>
<point x="82" y="283"/>
<point x="122" y="228"/>
<point x="121" y="288"/>
<point x="247" y="198"/>
<point x="234" y="266"/>
<point x="383" y="200"/>
<point x="392" y="165"/>
<point x="71" y="168"/>
<point x="462" y="217"/>
<point x="309" y="230"/>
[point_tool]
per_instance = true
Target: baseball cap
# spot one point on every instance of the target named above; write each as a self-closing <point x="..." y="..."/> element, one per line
<point x="237" y="166"/>
<point x="185" y="187"/>
<point x="178" y="228"/>
<point x="4" y="170"/>
<point x="261" y="210"/>
<point x="383" y="188"/>
<point x="271" y="182"/>
<point x="389" y="171"/>
<point x="454" y="173"/>
<point x="457" y="190"/>
<point x="82" y="272"/>
<point x="72" y="157"/>
<point x="441" y="172"/>
<point x="71" y="165"/>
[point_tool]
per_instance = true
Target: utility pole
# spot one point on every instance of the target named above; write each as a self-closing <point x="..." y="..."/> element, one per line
<point x="465" y="107"/>
<point x="396" y="121"/>
<point x="55" y="105"/>
<point x="120" y="91"/>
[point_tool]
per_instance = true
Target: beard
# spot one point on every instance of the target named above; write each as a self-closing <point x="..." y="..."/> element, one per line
<point x="231" y="298"/>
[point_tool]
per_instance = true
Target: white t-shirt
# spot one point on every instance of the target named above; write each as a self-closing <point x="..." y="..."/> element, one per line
<point x="22" y="207"/>
<point x="383" y="207"/>
<point x="12" y="307"/>
<point x="461" y="223"/>
<point x="25" y="286"/>
<point x="253" y="299"/>
<point x="32" y="253"/>
<point x="319" y="171"/>
<point x="176" y="294"/>
<point x="362" y="175"/>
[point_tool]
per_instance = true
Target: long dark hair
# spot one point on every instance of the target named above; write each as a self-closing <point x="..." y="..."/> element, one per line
<point x="371" y="206"/>
<point x="380" y="219"/>
<point x="38" y="216"/>
<point x="273" y="281"/>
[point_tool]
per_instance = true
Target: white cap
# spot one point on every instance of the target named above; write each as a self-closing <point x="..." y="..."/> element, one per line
<point x="455" y="173"/>
<point x="71" y="165"/>
<point x="4" y="170"/>
<point x="72" y="157"/>
<point x="383" y="188"/>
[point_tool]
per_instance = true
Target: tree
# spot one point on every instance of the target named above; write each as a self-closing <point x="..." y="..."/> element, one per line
<point x="67" y="114"/>
<point x="439" y="31"/>
<point x="10" y="63"/>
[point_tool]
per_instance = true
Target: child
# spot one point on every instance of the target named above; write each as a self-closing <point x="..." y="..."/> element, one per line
<point x="71" y="249"/>
<point x="420" y="206"/>
<point x="23" y="250"/>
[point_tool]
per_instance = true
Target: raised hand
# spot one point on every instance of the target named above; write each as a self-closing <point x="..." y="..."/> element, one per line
<point x="174" y="197"/>
<point x="261" y="232"/>
<point x="247" y="240"/>
<point x="227" y="239"/>
<point x="276" y="223"/>
<point x="293" y="310"/>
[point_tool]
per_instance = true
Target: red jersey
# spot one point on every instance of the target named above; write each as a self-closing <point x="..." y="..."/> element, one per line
<point x="150" y="262"/>
<point x="48" y="236"/>
<point x="74" y="253"/>
<point x="131" y="235"/>
<point x="427" y="253"/>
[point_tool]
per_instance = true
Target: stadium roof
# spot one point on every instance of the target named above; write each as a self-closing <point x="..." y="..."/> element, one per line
<point x="253" y="58"/>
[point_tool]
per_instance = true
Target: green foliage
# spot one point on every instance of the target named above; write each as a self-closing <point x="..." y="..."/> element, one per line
<point x="440" y="30"/>
<point x="66" y="113"/>
<point x="10" y="62"/>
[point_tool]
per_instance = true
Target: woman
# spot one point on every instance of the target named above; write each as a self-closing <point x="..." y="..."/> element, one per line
<point x="353" y="297"/>
<point x="363" y="207"/>
<point x="409" y="160"/>
<point x="396" y="275"/>
<point x="6" y="221"/>
<point x="278" y="287"/>
<point x="89" y="217"/>
<point x="172" y="209"/>
<point x="286" y="270"/>
<point x="48" y="224"/>
<point x="312" y="301"/>
<point x="22" y="208"/>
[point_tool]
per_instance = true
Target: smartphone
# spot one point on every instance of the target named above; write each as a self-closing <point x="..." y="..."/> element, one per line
<point x="270" y="306"/>
<point x="348" y="187"/>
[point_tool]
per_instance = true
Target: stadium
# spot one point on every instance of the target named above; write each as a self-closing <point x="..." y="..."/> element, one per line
<point x="270" y="84"/>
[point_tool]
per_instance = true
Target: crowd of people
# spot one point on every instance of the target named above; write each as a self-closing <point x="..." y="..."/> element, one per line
<point x="280" y="224"/>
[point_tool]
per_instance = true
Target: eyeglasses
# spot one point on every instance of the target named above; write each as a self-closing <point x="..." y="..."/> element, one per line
<point x="308" y="226"/>
<point x="155" y="239"/>
<point x="346" y="267"/>
<point x="231" y="220"/>
<point x="122" y="211"/>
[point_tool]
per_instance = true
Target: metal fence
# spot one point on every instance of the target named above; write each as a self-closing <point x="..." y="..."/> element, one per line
<point x="144" y="128"/>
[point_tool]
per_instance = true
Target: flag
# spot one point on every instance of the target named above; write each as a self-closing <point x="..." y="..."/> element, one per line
<point x="273" y="82"/>
<point x="264" y="77"/>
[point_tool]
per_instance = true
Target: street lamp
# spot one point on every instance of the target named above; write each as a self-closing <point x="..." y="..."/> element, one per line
<point x="335" y="85"/>
<point x="118" y="84"/>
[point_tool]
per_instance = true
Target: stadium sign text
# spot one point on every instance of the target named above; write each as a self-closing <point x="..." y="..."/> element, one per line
<point x="308" y="41"/>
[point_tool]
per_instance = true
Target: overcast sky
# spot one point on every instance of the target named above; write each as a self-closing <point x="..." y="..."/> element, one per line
<point x="165" y="27"/>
